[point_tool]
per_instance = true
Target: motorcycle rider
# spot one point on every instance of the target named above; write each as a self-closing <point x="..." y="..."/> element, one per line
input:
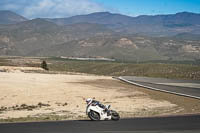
<point x="93" y="102"/>
<point x="97" y="111"/>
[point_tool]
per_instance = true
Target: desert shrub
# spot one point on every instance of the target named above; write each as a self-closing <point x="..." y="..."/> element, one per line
<point x="44" y="65"/>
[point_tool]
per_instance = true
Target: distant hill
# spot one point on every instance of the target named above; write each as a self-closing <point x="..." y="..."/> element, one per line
<point x="98" y="18"/>
<point x="8" y="17"/>
<point x="158" y="25"/>
<point x="130" y="48"/>
<point x="127" y="47"/>
<point x="30" y="36"/>
<point x="188" y="36"/>
<point x="142" y="38"/>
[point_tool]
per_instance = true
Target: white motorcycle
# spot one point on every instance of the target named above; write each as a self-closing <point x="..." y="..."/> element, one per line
<point x="97" y="113"/>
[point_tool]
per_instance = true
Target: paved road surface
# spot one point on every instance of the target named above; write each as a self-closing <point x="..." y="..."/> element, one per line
<point x="175" y="124"/>
<point x="183" y="87"/>
<point x="172" y="82"/>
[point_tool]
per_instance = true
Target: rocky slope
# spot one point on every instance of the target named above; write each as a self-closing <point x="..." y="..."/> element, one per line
<point x="8" y="17"/>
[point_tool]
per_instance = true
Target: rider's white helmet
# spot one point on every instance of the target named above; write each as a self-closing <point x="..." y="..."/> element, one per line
<point x="89" y="100"/>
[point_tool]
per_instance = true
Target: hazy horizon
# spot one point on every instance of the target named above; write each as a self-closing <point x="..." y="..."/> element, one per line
<point x="67" y="8"/>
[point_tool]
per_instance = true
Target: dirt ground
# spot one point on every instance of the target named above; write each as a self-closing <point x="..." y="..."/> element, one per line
<point x="37" y="95"/>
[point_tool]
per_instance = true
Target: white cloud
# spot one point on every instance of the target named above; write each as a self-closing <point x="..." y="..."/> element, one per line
<point x="60" y="8"/>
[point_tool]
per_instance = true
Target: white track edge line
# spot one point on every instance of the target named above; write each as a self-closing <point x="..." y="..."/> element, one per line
<point x="156" y="89"/>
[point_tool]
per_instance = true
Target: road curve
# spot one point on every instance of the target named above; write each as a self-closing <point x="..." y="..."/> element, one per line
<point x="172" y="124"/>
<point x="188" y="88"/>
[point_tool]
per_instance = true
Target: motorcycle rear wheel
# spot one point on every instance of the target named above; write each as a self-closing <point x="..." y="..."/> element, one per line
<point x="94" y="116"/>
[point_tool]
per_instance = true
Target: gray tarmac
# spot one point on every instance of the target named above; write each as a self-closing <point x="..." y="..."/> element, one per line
<point x="190" y="88"/>
<point x="172" y="124"/>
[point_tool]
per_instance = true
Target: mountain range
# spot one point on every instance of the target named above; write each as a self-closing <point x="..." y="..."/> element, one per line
<point x="103" y="34"/>
<point x="147" y="25"/>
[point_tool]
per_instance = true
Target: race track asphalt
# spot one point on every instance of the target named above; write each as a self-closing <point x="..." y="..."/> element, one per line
<point x="190" y="88"/>
<point x="172" y="124"/>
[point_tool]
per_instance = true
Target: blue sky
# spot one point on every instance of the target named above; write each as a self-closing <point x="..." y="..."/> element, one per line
<point x="152" y="7"/>
<point x="65" y="8"/>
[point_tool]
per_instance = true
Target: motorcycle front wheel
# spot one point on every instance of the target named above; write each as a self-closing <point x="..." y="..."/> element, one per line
<point x="115" y="115"/>
<point x="94" y="116"/>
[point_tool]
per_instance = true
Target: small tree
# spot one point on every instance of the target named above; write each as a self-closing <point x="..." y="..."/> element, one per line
<point x="44" y="65"/>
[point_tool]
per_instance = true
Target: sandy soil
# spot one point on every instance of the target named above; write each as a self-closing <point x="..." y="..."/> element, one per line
<point x="13" y="69"/>
<point x="66" y="94"/>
